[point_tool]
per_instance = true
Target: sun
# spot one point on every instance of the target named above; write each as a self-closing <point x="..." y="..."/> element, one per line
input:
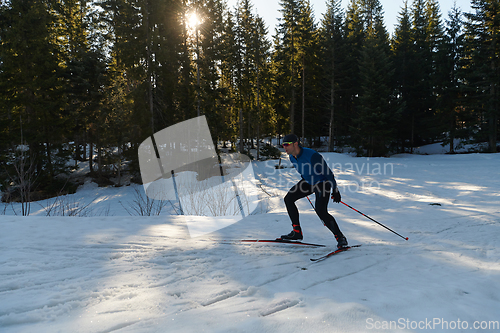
<point x="193" y="20"/>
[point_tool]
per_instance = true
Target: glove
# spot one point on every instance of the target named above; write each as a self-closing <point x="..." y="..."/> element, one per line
<point x="336" y="197"/>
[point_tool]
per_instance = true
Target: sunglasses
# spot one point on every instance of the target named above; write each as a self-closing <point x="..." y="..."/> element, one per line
<point x="286" y="144"/>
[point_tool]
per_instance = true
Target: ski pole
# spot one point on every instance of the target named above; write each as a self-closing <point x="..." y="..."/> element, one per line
<point x="315" y="210"/>
<point x="311" y="203"/>
<point x="405" y="238"/>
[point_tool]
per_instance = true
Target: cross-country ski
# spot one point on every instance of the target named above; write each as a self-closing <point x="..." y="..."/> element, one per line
<point x="337" y="251"/>
<point x="280" y="241"/>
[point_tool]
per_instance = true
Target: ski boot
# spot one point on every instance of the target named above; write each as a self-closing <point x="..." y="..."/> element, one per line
<point x="341" y="241"/>
<point x="296" y="234"/>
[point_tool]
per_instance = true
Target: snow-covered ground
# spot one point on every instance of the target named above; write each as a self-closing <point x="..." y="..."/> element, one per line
<point x="112" y="272"/>
<point x="459" y="146"/>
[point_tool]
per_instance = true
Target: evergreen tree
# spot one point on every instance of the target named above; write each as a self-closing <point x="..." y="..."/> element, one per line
<point x="169" y="57"/>
<point x="449" y="84"/>
<point x="31" y="82"/>
<point x="332" y="41"/>
<point x="228" y="74"/>
<point x="308" y="47"/>
<point x="403" y="58"/>
<point x="246" y="67"/>
<point x="354" y="35"/>
<point x="265" y="116"/>
<point x="209" y="48"/>
<point x="84" y="69"/>
<point x="296" y="64"/>
<point x="434" y="40"/>
<point x="126" y="26"/>
<point x="184" y="91"/>
<point x="483" y="68"/>
<point x="426" y="35"/>
<point x="377" y="109"/>
<point x="286" y="66"/>
<point x="419" y="86"/>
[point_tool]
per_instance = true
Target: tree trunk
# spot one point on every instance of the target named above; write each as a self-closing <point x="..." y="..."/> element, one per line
<point x="241" y="130"/>
<point x="258" y="114"/>
<point x="452" y="133"/>
<point x="119" y="166"/>
<point x="303" y="97"/>
<point x="99" y="160"/>
<point x="77" y="149"/>
<point x="149" y="70"/>
<point x="91" y="156"/>
<point x="331" y="143"/>
<point x="412" y="132"/>
<point x="49" y="159"/>
<point x="84" y="153"/>
<point x="292" y="104"/>
<point x="493" y="114"/>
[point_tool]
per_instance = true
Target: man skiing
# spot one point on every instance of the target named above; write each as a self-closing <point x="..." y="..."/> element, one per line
<point x="317" y="178"/>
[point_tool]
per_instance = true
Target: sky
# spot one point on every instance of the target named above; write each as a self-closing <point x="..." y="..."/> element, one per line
<point x="269" y="10"/>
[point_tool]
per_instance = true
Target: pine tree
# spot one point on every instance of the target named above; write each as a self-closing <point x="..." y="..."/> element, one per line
<point x="246" y="67"/>
<point x="308" y="45"/>
<point x="169" y="52"/>
<point x="434" y="40"/>
<point x="265" y="116"/>
<point x="129" y="25"/>
<point x="286" y="66"/>
<point x="31" y="81"/>
<point x="483" y="69"/>
<point x="355" y="35"/>
<point x="332" y="40"/>
<point x="85" y="68"/>
<point x="449" y="85"/>
<point x="402" y="58"/>
<point x="426" y="32"/>
<point x="185" y="92"/>
<point x="209" y="34"/>
<point x="228" y="74"/>
<point x="419" y="86"/>
<point x="377" y="109"/>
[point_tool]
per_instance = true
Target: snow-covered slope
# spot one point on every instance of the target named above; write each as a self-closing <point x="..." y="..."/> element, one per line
<point x="119" y="273"/>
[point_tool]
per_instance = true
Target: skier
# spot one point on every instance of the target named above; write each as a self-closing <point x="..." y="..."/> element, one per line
<point x="317" y="178"/>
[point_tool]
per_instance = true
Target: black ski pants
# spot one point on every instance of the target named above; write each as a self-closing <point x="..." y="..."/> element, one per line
<point x="322" y="192"/>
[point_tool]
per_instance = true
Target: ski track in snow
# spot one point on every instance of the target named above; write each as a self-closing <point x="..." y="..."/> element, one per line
<point x="138" y="274"/>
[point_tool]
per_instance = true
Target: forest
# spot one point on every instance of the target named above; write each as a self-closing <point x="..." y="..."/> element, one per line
<point x="90" y="80"/>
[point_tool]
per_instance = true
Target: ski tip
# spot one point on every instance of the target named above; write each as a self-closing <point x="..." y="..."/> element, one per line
<point x="406" y="238"/>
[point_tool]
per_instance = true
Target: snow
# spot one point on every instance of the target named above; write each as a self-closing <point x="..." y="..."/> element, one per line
<point x="460" y="146"/>
<point x="112" y="272"/>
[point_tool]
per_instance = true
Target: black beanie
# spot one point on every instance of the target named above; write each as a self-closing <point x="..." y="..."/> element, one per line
<point x="291" y="138"/>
